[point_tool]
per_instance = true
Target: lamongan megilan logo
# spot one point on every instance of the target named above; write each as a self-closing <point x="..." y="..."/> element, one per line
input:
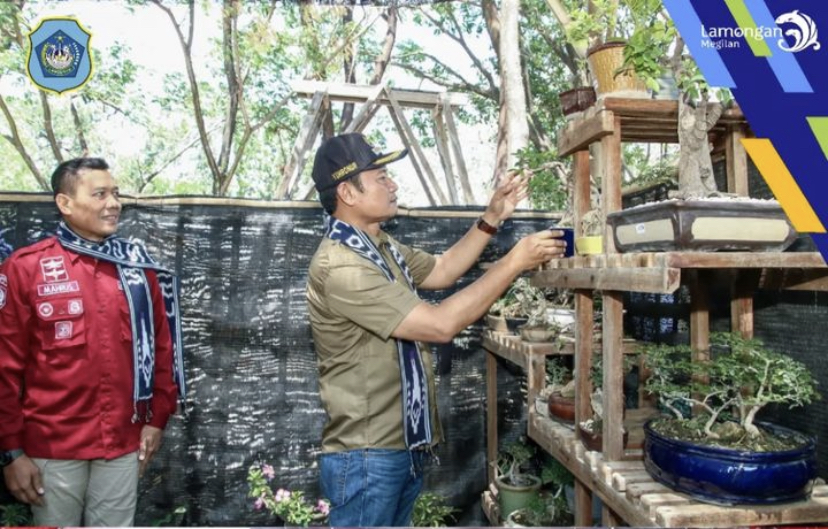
<point x="60" y="58"/>
<point x="805" y="33"/>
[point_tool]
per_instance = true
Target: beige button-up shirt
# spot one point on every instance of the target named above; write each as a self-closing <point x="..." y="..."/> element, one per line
<point x="353" y="311"/>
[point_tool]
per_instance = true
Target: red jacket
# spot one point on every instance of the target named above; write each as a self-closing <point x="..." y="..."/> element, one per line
<point x="66" y="362"/>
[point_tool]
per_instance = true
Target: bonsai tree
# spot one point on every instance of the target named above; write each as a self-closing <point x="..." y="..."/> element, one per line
<point x="734" y="384"/>
<point x="511" y="461"/>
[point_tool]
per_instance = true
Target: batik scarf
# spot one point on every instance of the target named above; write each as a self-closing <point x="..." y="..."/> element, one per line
<point x="131" y="259"/>
<point x="416" y="420"/>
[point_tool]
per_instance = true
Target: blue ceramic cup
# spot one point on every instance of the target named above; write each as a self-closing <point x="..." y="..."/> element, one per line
<point x="569" y="237"/>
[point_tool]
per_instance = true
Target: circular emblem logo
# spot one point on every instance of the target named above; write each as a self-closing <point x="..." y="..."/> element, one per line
<point x="45" y="309"/>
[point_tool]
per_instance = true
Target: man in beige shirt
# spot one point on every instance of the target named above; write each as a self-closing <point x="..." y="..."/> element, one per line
<point x="370" y="328"/>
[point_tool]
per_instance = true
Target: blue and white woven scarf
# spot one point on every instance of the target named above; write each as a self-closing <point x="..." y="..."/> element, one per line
<point x="416" y="419"/>
<point x="131" y="259"/>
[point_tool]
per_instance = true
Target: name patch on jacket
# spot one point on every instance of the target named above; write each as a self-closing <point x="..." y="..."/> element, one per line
<point x="53" y="269"/>
<point x="58" y="288"/>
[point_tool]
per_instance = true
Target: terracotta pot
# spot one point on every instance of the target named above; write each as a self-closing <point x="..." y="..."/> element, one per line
<point x="562" y="408"/>
<point x="577" y="100"/>
<point x="595" y="442"/>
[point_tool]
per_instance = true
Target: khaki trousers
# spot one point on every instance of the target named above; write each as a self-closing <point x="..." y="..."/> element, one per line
<point x="96" y="493"/>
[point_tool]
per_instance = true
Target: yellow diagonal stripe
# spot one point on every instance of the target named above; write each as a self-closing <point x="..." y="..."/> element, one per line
<point x="819" y="126"/>
<point x="783" y="185"/>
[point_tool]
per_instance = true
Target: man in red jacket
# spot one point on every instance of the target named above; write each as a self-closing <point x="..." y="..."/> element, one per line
<point x="87" y="346"/>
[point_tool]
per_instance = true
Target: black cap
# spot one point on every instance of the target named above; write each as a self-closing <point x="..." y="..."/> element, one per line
<point x="342" y="157"/>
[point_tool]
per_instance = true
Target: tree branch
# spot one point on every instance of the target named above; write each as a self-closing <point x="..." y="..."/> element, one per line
<point x="48" y="128"/>
<point x="383" y="59"/>
<point x="15" y="140"/>
<point x="460" y="40"/>
<point x="463" y="86"/>
<point x="229" y="20"/>
<point x="84" y="148"/>
<point x="196" y="98"/>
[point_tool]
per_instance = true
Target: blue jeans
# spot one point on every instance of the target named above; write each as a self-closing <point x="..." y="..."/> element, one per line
<point x="372" y="487"/>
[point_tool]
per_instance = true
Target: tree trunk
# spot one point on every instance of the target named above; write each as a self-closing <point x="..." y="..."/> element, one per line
<point x="517" y="127"/>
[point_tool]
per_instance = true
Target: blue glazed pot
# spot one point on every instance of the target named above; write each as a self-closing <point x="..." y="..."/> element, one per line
<point x="732" y="477"/>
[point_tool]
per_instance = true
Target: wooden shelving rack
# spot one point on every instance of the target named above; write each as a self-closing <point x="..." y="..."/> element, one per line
<point x="628" y="493"/>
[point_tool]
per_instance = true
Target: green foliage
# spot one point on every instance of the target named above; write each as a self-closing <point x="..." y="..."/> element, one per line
<point x="646" y="52"/>
<point x="15" y="515"/>
<point x="741" y="378"/>
<point x="174" y="518"/>
<point x="546" y="189"/>
<point x="430" y="510"/>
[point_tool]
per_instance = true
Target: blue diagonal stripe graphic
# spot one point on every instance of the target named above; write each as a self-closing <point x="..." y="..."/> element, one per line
<point x="783" y="63"/>
<point x="708" y="59"/>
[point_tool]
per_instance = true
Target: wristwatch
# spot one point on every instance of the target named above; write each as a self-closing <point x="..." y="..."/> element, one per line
<point x="7" y="456"/>
<point x="485" y="227"/>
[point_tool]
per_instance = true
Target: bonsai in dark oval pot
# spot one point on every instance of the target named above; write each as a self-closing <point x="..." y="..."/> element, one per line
<point x="738" y="460"/>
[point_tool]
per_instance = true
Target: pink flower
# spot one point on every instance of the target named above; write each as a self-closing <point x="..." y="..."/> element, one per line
<point x="268" y="472"/>
<point x="323" y="507"/>
<point x="259" y="504"/>
<point x="282" y="495"/>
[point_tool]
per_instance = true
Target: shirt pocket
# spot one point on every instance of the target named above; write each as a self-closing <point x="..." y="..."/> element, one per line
<point x="62" y="323"/>
<point x="125" y="322"/>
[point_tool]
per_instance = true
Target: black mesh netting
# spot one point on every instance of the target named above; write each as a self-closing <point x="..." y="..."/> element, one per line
<point x="250" y="362"/>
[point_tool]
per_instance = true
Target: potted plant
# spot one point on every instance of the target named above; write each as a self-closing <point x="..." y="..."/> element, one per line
<point x="516" y="487"/>
<point x="591" y="240"/>
<point x="549" y="508"/>
<point x="559" y="391"/>
<point x="591" y="430"/>
<point x="595" y="31"/>
<point x="722" y="454"/>
<point x="430" y="510"/>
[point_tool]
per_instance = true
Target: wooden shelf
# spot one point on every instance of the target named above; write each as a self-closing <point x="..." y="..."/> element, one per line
<point x="629" y="494"/>
<point x="640" y="120"/>
<point x="627" y="489"/>
<point x="661" y="273"/>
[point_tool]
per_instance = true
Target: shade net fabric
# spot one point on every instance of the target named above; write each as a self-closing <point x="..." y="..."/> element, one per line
<point x="250" y="362"/>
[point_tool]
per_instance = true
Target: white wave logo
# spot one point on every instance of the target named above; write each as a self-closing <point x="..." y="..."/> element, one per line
<point x="805" y="32"/>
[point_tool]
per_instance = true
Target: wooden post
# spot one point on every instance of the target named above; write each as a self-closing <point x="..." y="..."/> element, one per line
<point x="304" y="141"/>
<point x="448" y="115"/>
<point x="396" y="110"/>
<point x="613" y="306"/>
<point x="491" y="414"/>
<point x="441" y="138"/>
<point x="583" y="505"/>
<point x="741" y="303"/>
<point x="736" y="162"/>
<point x="413" y="156"/>
<point x="699" y="320"/>
<point x="367" y="111"/>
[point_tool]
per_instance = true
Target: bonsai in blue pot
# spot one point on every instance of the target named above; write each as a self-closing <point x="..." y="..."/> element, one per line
<point x="722" y="454"/>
